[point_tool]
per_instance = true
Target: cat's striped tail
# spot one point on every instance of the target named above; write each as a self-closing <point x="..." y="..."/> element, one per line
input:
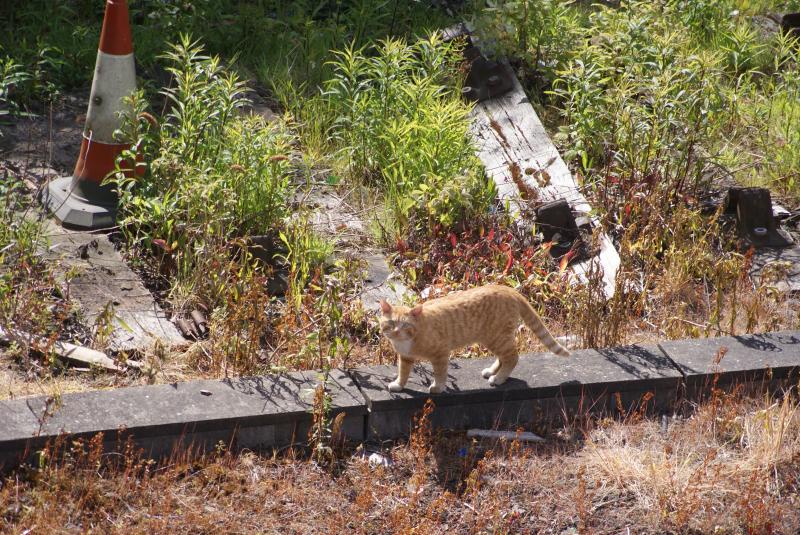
<point x="534" y="323"/>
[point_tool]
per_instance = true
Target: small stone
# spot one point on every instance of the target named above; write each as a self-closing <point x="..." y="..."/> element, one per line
<point x="205" y="392"/>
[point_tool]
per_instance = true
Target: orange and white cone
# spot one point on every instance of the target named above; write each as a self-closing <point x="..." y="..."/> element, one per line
<point x="81" y="200"/>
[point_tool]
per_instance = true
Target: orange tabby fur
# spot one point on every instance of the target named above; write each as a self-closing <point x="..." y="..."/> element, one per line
<point x="488" y="315"/>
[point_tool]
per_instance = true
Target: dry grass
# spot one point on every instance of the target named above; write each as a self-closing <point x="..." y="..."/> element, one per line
<point x="730" y="467"/>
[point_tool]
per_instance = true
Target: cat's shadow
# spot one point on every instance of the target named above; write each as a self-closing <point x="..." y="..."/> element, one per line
<point x="424" y="375"/>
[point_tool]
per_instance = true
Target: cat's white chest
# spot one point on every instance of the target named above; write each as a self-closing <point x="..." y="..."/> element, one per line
<point x="403" y="347"/>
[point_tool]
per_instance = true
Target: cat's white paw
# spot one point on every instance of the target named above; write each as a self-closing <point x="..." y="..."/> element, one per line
<point x="486" y="372"/>
<point x="395" y="386"/>
<point x="435" y="389"/>
<point x="495" y="380"/>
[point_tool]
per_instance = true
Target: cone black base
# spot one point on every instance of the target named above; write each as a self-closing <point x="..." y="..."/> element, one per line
<point x="73" y="211"/>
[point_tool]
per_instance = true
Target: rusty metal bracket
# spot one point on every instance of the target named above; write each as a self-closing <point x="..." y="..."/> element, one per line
<point x="562" y="229"/>
<point x="755" y="220"/>
<point x="556" y="221"/>
<point x="486" y="78"/>
<point x="196" y="329"/>
<point x="790" y="24"/>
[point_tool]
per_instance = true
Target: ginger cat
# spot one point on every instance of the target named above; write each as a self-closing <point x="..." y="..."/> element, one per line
<point x="488" y="315"/>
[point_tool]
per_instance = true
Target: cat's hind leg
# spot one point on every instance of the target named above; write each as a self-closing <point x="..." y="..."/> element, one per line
<point x="507" y="357"/>
<point x="491" y="370"/>
<point x="404" y="366"/>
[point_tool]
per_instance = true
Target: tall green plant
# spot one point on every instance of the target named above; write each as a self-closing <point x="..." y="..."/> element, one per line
<point x="12" y="74"/>
<point x="640" y="100"/>
<point x="404" y="128"/>
<point x="27" y="304"/>
<point x="210" y="173"/>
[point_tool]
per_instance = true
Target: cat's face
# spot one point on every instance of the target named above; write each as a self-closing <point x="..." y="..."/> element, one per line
<point x="398" y="323"/>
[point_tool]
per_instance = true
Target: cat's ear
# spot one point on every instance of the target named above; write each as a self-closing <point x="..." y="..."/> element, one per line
<point x="416" y="311"/>
<point x="386" y="308"/>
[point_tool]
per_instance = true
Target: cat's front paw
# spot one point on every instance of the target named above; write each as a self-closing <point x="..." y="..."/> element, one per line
<point x="494" y="380"/>
<point x="487" y="372"/>
<point x="395" y="386"/>
<point x="436" y="389"/>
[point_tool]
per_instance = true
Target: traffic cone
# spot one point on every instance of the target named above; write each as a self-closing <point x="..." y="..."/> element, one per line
<point x="81" y="200"/>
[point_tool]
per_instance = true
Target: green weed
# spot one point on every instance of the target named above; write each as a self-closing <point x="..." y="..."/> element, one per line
<point x="12" y="75"/>
<point x="543" y="32"/>
<point x="305" y="252"/>
<point x="28" y="304"/>
<point x="404" y="129"/>
<point x="209" y="175"/>
<point x="279" y="40"/>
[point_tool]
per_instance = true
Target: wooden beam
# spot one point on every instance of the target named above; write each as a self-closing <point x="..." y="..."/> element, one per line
<point x="518" y="154"/>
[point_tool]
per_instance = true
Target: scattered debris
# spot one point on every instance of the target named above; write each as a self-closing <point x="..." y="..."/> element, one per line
<point x="375" y="459"/>
<point x="69" y="351"/>
<point x="187" y="329"/>
<point x="83" y="249"/>
<point x="570" y="341"/>
<point x="197" y="328"/>
<point x="200" y="321"/>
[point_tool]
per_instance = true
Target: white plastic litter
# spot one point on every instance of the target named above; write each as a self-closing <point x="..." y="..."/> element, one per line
<point x="508" y="435"/>
<point x="376" y="459"/>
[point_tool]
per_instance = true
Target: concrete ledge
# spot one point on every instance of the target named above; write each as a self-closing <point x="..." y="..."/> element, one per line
<point x="770" y="360"/>
<point x="254" y="412"/>
<point x="589" y="380"/>
<point x="274" y="411"/>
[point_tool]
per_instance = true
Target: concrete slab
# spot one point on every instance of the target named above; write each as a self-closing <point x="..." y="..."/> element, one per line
<point x="754" y="358"/>
<point x="260" y="412"/>
<point x="105" y="282"/>
<point x="252" y="412"/>
<point x="779" y="266"/>
<point x="587" y="380"/>
<point x="381" y="283"/>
